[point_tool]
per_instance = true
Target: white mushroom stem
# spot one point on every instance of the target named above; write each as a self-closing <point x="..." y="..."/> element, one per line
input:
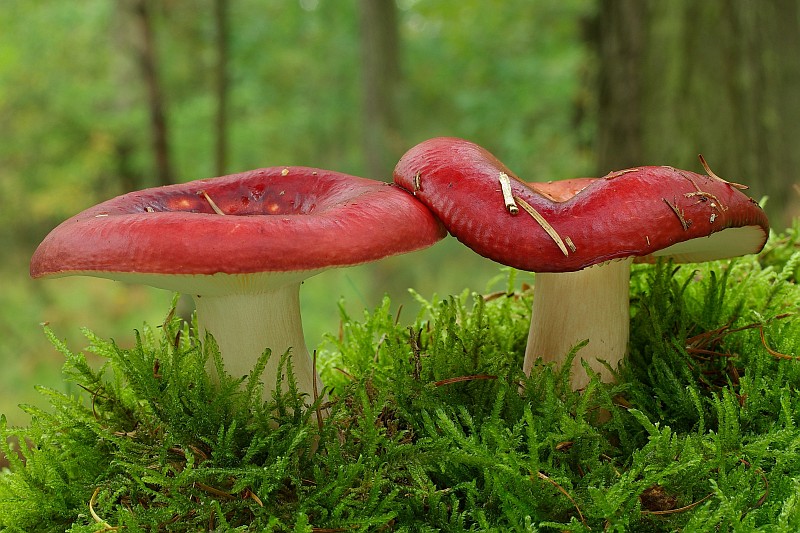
<point x="245" y="324"/>
<point x="571" y="307"/>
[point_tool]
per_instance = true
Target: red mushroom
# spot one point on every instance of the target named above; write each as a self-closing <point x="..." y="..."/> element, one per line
<point x="580" y="236"/>
<point x="241" y="245"/>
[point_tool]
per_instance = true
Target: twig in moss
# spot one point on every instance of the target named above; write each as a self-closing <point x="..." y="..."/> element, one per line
<point x="496" y="295"/>
<point x="702" y="351"/>
<point x="415" y="338"/>
<point x="460" y="379"/>
<point x="610" y="462"/>
<point x="563" y="491"/>
<point x="106" y="525"/>
<point x="733" y="372"/>
<point x="94" y="394"/>
<point x="316" y="392"/>
<point x="378" y="348"/>
<point x="214" y="491"/>
<point x="167" y="321"/>
<point x="772" y="351"/>
<point x="347" y="374"/>
<point x="763" y="497"/>
<point x="514" y="295"/>
<point x="681" y="509"/>
<point x="198" y="453"/>
<point x="252" y="495"/>
<point x="697" y="343"/>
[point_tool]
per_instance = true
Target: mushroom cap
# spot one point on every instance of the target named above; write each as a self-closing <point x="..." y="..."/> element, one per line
<point x="278" y="219"/>
<point x="642" y="212"/>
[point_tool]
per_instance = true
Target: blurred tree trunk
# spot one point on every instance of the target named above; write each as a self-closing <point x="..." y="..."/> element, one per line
<point x="221" y="86"/>
<point x="719" y="78"/>
<point x="621" y="47"/>
<point x="148" y="64"/>
<point x="379" y="75"/>
<point x="126" y="77"/>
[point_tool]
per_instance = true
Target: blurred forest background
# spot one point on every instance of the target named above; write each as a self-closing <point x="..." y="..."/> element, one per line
<point x="99" y="97"/>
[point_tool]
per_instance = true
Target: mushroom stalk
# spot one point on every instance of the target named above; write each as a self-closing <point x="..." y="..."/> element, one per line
<point x="571" y="307"/>
<point x="245" y="324"/>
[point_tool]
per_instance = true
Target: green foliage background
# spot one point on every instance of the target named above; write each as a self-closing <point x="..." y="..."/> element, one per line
<point x="74" y="117"/>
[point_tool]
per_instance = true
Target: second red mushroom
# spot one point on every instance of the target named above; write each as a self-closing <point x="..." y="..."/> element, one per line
<point x="580" y="236"/>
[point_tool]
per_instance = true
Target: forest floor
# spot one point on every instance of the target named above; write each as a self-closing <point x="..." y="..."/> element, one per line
<point x="431" y="424"/>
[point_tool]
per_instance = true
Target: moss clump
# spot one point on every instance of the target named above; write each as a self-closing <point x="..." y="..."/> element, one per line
<point x="432" y="426"/>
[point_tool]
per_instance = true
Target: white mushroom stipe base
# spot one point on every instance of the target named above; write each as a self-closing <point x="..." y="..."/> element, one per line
<point x="570" y="307"/>
<point x="246" y="314"/>
<point x="244" y="324"/>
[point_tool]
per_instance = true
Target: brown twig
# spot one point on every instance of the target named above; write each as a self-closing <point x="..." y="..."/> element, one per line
<point x="106" y="525"/>
<point x="678" y="213"/>
<point x="416" y="353"/>
<point x="214" y="206"/>
<point x="214" y="491"/>
<point x="711" y="173"/>
<point x="618" y="173"/>
<point x="561" y="489"/>
<point x="345" y="373"/>
<point x="763" y="497"/>
<point x="316" y="392"/>
<point x="508" y="196"/>
<point x="496" y="295"/>
<point x="543" y="223"/>
<point x="460" y="379"/>
<point x="681" y="509"/>
<point x="771" y="351"/>
<point x="252" y="495"/>
<point x="95" y="394"/>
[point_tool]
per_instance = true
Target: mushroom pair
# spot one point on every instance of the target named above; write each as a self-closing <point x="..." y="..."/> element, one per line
<point x="580" y="236"/>
<point x="241" y="245"/>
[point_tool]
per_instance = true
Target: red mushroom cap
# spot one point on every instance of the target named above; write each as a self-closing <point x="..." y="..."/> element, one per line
<point x="640" y="212"/>
<point x="273" y="220"/>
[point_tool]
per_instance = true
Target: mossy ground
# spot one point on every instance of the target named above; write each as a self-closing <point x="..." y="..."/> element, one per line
<point x="432" y="426"/>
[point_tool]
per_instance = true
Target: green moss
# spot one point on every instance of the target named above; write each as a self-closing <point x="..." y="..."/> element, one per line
<point x="432" y="426"/>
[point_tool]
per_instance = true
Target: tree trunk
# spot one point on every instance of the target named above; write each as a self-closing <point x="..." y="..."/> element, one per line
<point x="379" y="76"/>
<point x="126" y="75"/>
<point x="148" y="63"/>
<point x="719" y="78"/>
<point x="621" y="47"/>
<point x="221" y="87"/>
